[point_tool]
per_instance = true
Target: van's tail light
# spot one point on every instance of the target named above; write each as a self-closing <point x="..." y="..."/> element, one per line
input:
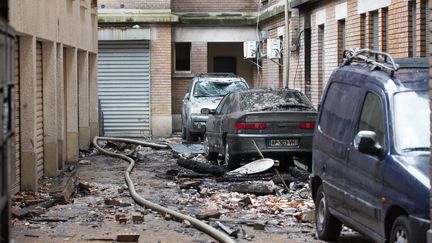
<point x="307" y="125"/>
<point x="250" y="126"/>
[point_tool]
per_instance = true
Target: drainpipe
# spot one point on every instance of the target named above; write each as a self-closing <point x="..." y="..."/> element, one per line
<point x="287" y="42"/>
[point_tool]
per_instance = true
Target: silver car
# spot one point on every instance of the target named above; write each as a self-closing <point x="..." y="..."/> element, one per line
<point x="280" y="121"/>
<point x="206" y="91"/>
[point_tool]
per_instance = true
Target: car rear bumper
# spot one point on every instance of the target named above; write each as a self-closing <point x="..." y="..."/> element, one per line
<point x="421" y="226"/>
<point x="241" y="144"/>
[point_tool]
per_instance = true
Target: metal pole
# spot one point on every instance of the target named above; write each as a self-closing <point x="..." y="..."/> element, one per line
<point x="287" y="42"/>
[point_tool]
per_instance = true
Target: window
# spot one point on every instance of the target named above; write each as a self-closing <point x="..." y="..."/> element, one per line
<point x="363" y="41"/>
<point x="183" y="56"/>
<point x="321" y="64"/>
<point x="341" y="40"/>
<point x="339" y="109"/>
<point x="424" y="27"/>
<point x="372" y="117"/>
<point x="412" y="37"/>
<point x="384" y="30"/>
<point x="373" y="31"/>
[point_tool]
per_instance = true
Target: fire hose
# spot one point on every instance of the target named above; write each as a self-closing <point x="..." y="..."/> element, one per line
<point x="211" y="231"/>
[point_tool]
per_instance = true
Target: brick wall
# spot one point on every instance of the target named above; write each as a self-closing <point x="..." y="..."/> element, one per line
<point x="272" y="72"/>
<point x="148" y="4"/>
<point x="160" y="70"/>
<point x="205" y="6"/>
<point x="400" y="44"/>
<point x="180" y="83"/>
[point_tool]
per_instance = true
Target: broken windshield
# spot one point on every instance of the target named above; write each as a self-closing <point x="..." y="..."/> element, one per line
<point x="274" y="100"/>
<point x="217" y="88"/>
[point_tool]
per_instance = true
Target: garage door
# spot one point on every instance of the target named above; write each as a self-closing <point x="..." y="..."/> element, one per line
<point x="124" y="88"/>
<point x="39" y="112"/>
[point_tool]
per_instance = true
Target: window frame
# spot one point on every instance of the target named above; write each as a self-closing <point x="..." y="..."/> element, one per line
<point x="176" y="55"/>
<point x="382" y="102"/>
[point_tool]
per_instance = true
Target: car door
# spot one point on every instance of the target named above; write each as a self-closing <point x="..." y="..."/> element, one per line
<point x="214" y="134"/>
<point x="336" y="125"/>
<point x="363" y="173"/>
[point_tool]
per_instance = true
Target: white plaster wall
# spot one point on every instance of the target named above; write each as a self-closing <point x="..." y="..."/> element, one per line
<point x="71" y="22"/>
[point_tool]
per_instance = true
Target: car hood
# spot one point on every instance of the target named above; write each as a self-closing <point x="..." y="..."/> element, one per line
<point x="206" y="102"/>
<point x="418" y="167"/>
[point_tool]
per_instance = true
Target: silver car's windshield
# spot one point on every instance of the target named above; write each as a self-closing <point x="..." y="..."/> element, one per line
<point x="216" y="88"/>
<point x="411" y="121"/>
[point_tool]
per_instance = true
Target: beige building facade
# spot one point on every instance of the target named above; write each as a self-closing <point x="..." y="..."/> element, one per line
<point x="56" y="103"/>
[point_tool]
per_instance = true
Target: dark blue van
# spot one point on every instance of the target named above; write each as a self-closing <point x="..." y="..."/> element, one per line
<point x="370" y="154"/>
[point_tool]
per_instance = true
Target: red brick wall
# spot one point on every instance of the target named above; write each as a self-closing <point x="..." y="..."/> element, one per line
<point x="160" y="70"/>
<point x="204" y="6"/>
<point x="180" y="84"/>
<point x="272" y="73"/>
<point x="399" y="39"/>
<point x="148" y="4"/>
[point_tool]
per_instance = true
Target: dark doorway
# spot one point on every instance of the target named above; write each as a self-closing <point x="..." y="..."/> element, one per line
<point x="225" y="65"/>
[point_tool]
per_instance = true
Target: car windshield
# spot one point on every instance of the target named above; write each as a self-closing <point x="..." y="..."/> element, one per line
<point x="411" y="121"/>
<point x="217" y="88"/>
<point x="274" y="100"/>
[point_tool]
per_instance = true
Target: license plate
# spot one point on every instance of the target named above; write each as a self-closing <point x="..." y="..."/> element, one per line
<point x="283" y="143"/>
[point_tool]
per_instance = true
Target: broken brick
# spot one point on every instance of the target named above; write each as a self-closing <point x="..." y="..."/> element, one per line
<point x="137" y="218"/>
<point x="128" y="237"/>
<point x="208" y="214"/>
<point x="189" y="184"/>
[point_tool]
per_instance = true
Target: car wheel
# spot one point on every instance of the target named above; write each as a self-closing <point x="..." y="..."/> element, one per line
<point x="231" y="161"/>
<point x="210" y="155"/>
<point x="401" y="232"/>
<point x="189" y="136"/>
<point x="183" y="133"/>
<point x="327" y="226"/>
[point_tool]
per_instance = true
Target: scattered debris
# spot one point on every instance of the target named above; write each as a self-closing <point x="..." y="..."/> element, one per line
<point x="227" y="229"/>
<point x="255" y="187"/>
<point x="201" y="167"/>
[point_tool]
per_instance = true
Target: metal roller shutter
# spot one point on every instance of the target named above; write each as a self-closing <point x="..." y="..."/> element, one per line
<point x="16" y="182"/>
<point x="124" y="87"/>
<point x="39" y="112"/>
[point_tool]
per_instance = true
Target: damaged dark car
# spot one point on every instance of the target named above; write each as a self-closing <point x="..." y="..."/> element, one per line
<point x="280" y="121"/>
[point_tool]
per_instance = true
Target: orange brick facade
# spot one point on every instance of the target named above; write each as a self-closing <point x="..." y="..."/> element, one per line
<point x="358" y="33"/>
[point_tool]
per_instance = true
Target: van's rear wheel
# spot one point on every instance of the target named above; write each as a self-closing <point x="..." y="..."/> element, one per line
<point x="401" y="232"/>
<point x="327" y="226"/>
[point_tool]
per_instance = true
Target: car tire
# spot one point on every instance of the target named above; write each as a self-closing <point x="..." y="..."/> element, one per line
<point x="210" y="155"/>
<point x="232" y="162"/>
<point x="327" y="226"/>
<point x="189" y="136"/>
<point x="401" y="232"/>
<point x="183" y="133"/>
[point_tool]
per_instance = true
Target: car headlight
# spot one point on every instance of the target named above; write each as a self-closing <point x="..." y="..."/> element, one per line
<point x="196" y="110"/>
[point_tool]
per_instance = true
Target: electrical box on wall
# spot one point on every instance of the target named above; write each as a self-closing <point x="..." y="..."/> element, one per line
<point x="250" y="49"/>
<point x="273" y="48"/>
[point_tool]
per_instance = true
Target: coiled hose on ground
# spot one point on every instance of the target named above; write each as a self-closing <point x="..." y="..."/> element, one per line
<point x="211" y="231"/>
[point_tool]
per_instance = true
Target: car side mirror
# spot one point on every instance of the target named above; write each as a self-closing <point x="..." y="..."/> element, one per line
<point x="319" y="107"/>
<point x="187" y="96"/>
<point x="207" y="111"/>
<point x="366" y="142"/>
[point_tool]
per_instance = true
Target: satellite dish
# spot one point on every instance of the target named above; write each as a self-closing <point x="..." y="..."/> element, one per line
<point x="253" y="167"/>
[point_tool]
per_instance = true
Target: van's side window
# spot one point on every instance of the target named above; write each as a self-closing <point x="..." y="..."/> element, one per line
<point x="339" y="111"/>
<point x="372" y="117"/>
